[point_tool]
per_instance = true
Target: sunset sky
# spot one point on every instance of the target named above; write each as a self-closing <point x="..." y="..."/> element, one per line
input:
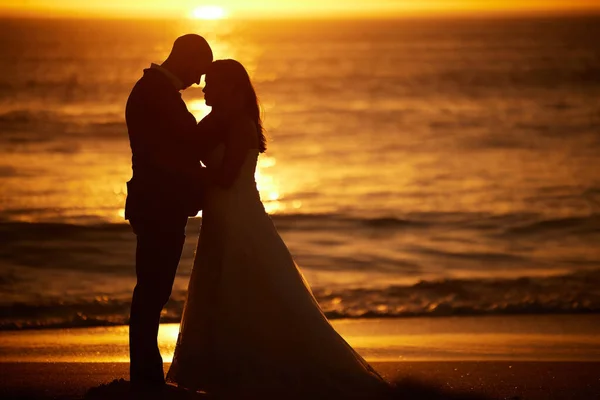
<point x="279" y="8"/>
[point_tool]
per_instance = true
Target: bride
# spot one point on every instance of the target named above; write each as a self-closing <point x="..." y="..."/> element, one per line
<point x="251" y="325"/>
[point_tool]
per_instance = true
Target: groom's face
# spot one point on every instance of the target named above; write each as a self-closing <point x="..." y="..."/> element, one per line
<point x="195" y="69"/>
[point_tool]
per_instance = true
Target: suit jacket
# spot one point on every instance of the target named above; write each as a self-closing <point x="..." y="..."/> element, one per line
<point x="165" y="147"/>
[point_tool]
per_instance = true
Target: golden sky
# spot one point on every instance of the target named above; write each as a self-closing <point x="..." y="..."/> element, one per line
<point x="278" y="8"/>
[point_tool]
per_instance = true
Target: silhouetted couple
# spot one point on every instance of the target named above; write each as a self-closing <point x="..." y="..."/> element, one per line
<point x="251" y="325"/>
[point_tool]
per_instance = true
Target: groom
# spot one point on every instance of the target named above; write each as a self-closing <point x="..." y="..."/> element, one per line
<point x="164" y="190"/>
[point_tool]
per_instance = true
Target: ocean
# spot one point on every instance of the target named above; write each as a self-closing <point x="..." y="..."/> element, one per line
<point x="416" y="168"/>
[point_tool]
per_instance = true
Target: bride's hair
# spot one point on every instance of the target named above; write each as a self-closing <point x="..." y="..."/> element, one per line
<point x="235" y="72"/>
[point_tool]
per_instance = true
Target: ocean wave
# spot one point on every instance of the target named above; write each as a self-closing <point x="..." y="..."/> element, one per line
<point x="496" y="225"/>
<point x="588" y="224"/>
<point x="574" y="293"/>
<point x="511" y="224"/>
<point x="25" y="126"/>
<point x="39" y="262"/>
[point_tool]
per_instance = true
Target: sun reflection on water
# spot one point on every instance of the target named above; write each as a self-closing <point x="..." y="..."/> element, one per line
<point x="270" y="192"/>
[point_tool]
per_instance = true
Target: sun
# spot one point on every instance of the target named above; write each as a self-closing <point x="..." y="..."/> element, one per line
<point x="208" y="12"/>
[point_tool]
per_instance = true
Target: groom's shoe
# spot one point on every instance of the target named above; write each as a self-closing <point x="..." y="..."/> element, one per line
<point x="146" y="372"/>
<point x="147" y="389"/>
<point x="147" y="379"/>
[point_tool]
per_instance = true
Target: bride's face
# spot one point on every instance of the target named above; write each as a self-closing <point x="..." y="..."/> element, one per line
<point x="218" y="91"/>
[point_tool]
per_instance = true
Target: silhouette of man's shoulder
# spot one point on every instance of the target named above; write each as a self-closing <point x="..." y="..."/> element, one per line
<point x="152" y="90"/>
<point x="153" y="81"/>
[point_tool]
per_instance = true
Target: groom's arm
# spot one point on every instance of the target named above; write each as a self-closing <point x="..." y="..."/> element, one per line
<point x="197" y="139"/>
<point x="167" y="132"/>
<point x="208" y="135"/>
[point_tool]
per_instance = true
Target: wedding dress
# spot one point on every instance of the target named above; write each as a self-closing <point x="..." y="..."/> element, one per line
<point x="251" y="327"/>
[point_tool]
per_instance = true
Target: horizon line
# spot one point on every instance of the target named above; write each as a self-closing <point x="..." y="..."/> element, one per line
<point x="399" y="15"/>
<point x="321" y="17"/>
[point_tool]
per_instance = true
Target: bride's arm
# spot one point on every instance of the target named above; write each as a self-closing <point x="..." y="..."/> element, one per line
<point x="240" y="138"/>
<point x="208" y="135"/>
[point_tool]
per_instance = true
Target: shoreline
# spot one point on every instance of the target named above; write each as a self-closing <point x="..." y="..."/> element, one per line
<point x="564" y="338"/>
<point x="331" y="316"/>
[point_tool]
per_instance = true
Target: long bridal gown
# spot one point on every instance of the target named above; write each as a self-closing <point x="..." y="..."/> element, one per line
<point x="251" y="325"/>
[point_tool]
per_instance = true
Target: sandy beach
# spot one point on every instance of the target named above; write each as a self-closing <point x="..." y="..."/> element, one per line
<point x="498" y="380"/>
<point x="513" y="357"/>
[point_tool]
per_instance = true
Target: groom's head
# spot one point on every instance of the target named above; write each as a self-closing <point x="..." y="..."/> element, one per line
<point x="189" y="59"/>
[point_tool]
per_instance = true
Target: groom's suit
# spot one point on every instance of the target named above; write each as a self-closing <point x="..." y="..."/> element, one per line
<point x="163" y="192"/>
